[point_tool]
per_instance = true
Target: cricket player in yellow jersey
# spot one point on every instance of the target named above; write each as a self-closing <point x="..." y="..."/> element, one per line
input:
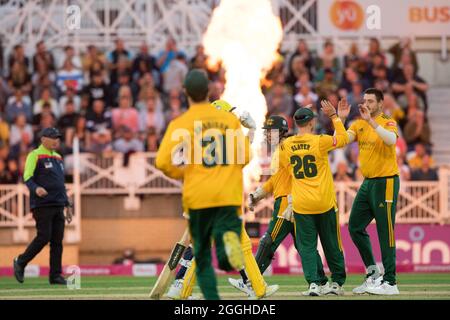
<point x="281" y="224"/>
<point x="313" y="197"/>
<point x="256" y="286"/>
<point x="376" y="135"/>
<point x="215" y="152"/>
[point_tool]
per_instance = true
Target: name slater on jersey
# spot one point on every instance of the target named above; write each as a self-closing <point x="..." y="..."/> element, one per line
<point x="300" y="146"/>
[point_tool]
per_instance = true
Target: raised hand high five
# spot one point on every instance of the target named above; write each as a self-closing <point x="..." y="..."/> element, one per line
<point x="327" y="108"/>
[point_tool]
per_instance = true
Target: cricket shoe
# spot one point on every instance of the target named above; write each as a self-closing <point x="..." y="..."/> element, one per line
<point x="314" y="290"/>
<point x="368" y="283"/>
<point x="251" y="295"/>
<point x="270" y="290"/>
<point x="19" y="271"/>
<point x="58" y="280"/>
<point x="241" y="286"/>
<point x="333" y="288"/>
<point x="175" y="290"/>
<point x="384" y="289"/>
<point x="325" y="288"/>
<point x="233" y="250"/>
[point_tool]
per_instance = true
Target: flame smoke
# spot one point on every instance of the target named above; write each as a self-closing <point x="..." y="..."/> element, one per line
<point x="244" y="35"/>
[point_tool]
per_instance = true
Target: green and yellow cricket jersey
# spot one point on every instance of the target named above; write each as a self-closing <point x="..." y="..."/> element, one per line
<point x="306" y="156"/>
<point x="377" y="159"/>
<point x="213" y="175"/>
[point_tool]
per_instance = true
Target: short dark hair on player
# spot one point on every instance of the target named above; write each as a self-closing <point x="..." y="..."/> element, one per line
<point x="378" y="93"/>
<point x="198" y="96"/>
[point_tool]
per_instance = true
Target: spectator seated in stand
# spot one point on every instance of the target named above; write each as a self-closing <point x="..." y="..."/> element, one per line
<point x="425" y="172"/>
<point x="46" y="99"/>
<point x="416" y="129"/>
<point x="71" y="95"/>
<point x="416" y="159"/>
<point x="69" y="76"/>
<point x="127" y="143"/>
<point x="125" y="115"/>
<point x="101" y="141"/>
<point x="6" y="176"/>
<point x="18" y="104"/>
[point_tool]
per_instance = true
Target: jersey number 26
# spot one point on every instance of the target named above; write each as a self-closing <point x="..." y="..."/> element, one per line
<point x="308" y="163"/>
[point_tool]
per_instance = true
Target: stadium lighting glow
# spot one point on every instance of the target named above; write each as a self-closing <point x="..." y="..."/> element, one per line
<point x="244" y="35"/>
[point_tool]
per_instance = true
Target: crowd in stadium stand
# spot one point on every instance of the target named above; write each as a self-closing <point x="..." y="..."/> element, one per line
<point x="120" y="101"/>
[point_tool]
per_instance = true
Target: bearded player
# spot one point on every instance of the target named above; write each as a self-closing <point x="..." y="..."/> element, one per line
<point x="376" y="134"/>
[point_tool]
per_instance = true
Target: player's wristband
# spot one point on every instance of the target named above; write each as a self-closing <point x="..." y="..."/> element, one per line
<point x="334" y="114"/>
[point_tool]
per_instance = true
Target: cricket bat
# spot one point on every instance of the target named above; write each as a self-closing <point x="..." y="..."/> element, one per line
<point x="168" y="273"/>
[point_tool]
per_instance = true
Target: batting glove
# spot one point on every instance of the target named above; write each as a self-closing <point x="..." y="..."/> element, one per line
<point x="247" y="120"/>
<point x="254" y="197"/>
<point x="288" y="213"/>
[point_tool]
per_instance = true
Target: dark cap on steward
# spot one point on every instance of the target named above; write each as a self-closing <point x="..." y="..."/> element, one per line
<point x="52" y="133"/>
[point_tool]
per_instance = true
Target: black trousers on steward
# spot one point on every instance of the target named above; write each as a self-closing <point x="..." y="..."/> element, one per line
<point x="50" y="228"/>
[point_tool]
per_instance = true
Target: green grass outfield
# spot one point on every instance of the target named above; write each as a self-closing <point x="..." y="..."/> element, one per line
<point x="412" y="286"/>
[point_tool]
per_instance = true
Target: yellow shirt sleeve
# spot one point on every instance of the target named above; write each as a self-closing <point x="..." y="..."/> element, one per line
<point x="275" y="162"/>
<point x="340" y="139"/>
<point x="164" y="156"/>
<point x="283" y="156"/>
<point x="268" y="185"/>
<point x="354" y="129"/>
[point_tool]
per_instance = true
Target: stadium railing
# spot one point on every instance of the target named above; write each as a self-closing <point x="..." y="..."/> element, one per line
<point x="15" y="213"/>
<point x="418" y="202"/>
<point x="113" y="174"/>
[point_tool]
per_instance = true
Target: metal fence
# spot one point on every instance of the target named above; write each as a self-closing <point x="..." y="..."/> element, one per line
<point x="116" y="175"/>
<point x="418" y="202"/>
<point x="15" y="213"/>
